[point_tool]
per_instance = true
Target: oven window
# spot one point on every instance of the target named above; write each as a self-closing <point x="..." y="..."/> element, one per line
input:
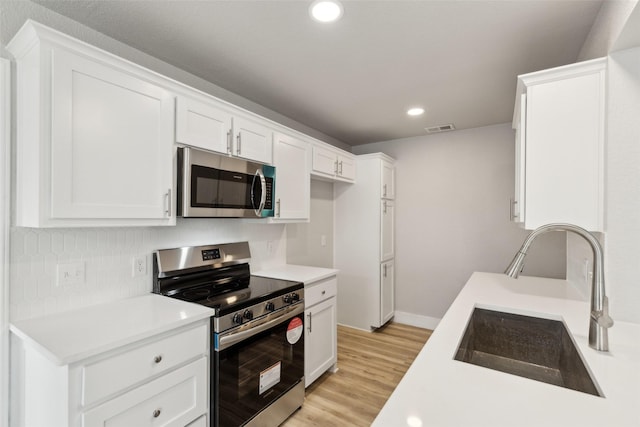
<point x="213" y="188"/>
<point x="254" y="373"/>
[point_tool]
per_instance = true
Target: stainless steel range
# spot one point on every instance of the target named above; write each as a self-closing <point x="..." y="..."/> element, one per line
<point x="257" y="357"/>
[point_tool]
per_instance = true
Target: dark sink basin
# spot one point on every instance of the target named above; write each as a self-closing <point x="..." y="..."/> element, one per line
<point x="531" y="347"/>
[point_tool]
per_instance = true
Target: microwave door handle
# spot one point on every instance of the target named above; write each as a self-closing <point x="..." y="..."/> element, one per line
<point x="263" y="193"/>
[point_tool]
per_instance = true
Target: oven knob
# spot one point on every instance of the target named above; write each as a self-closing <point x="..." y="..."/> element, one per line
<point x="237" y="319"/>
<point x="295" y="297"/>
<point x="248" y="314"/>
<point x="270" y="306"/>
<point x="287" y="299"/>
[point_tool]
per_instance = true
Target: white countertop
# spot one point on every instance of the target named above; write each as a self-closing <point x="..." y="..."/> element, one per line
<point x="299" y="273"/>
<point x="440" y="391"/>
<point x="74" y="335"/>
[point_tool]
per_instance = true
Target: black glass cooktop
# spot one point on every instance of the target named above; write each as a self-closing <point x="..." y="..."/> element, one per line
<point x="236" y="295"/>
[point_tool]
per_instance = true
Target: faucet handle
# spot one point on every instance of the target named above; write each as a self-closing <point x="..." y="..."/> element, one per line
<point x="602" y="317"/>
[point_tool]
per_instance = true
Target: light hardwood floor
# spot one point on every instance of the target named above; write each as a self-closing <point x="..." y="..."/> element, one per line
<point x="370" y="365"/>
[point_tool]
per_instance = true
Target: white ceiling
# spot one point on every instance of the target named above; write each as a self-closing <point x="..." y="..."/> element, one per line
<point x="354" y="79"/>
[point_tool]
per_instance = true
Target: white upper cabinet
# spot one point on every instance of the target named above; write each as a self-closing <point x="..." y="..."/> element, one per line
<point x="518" y="202"/>
<point x="388" y="182"/>
<point x="560" y="127"/>
<point x="292" y="159"/>
<point x="204" y="122"/>
<point x="95" y="136"/>
<point x="332" y="163"/>
<point x="252" y="139"/>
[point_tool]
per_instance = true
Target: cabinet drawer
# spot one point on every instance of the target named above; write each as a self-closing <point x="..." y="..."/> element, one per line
<point x="174" y="399"/>
<point x="320" y="291"/>
<point x="108" y="376"/>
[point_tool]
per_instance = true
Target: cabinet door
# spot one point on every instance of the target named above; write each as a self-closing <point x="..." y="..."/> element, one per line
<point x="387" y="230"/>
<point x="291" y="158"/>
<point x="346" y="167"/>
<point x="564" y="151"/>
<point x="111" y="144"/>
<point x="252" y="140"/>
<point x="321" y="348"/>
<point x="388" y="181"/>
<point x="387" y="291"/>
<point x="518" y="207"/>
<point x="203" y="125"/>
<point x="324" y="161"/>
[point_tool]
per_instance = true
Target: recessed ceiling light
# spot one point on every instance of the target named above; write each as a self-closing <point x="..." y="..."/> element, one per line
<point x="326" y="10"/>
<point x="416" y="111"/>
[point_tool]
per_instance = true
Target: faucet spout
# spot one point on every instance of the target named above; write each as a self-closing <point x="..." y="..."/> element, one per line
<point x="599" y="320"/>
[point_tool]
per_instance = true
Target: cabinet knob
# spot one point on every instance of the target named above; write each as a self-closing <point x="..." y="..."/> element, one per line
<point x="158" y="358"/>
<point x="157" y="413"/>
<point x="324" y="292"/>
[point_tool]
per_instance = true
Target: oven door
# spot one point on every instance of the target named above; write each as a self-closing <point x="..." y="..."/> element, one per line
<point x="253" y="368"/>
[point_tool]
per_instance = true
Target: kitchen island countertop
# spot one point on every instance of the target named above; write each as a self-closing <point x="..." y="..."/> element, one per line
<point x="440" y="391"/>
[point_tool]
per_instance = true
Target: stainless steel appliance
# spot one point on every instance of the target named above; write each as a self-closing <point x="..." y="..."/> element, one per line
<point x="212" y="185"/>
<point x="257" y="354"/>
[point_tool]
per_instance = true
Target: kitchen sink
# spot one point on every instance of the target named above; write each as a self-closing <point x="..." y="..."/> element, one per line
<point x="531" y="347"/>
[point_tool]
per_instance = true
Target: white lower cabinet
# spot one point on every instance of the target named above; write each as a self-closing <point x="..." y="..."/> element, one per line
<point x="321" y="336"/>
<point x="174" y="399"/>
<point x="161" y="381"/>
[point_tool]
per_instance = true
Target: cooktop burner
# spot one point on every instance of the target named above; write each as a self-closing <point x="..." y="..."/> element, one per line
<point x="215" y="276"/>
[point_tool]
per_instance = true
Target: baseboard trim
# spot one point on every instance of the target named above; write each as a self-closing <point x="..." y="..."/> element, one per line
<point x="416" y="320"/>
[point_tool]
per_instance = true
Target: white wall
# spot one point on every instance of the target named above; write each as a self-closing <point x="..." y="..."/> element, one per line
<point x="304" y="240"/>
<point x="606" y="29"/>
<point x="452" y="215"/>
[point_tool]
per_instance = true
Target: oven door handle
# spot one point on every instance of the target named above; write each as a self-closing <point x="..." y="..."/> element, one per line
<point x="227" y="340"/>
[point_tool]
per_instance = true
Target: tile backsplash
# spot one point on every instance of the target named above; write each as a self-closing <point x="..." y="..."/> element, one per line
<point x="107" y="256"/>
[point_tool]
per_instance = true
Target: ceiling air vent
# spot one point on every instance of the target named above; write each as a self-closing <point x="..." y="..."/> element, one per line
<point x="441" y="128"/>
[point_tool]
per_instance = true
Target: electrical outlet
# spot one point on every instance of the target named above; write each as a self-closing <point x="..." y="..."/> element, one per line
<point x="323" y="240"/>
<point x="139" y="264"/>
<point x="70" y="273"/>
<point x="269" y="247"/>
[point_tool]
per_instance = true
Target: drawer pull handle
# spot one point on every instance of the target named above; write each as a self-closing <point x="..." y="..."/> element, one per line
<point x="158" y="358"/>
<point x="156" y="413"/>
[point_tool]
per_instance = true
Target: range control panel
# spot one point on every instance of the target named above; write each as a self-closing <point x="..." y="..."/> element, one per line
<point x="257" y="311"/>
<point x="211" y="254"/>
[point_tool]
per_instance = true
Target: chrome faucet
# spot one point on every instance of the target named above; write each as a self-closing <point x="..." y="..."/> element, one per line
<point x="599" y="320"/>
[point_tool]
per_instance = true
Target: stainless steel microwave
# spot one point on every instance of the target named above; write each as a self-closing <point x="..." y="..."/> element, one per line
<point x="212" y="186"/>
